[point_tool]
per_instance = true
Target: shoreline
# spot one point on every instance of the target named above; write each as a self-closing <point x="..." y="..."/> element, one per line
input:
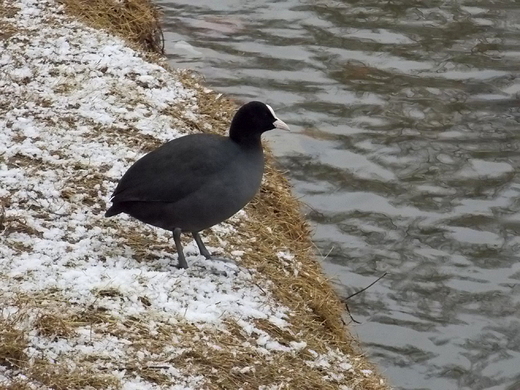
<point x="93" y="302"/>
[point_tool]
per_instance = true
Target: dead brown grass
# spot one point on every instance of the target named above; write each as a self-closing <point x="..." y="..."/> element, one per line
<point x="17" y="225"/>
<point x="59" y="376"/>
<point x="16" y="384"/>
<point x="7" y="30"/>
<point x="53" y="326"/>
<point x="12" y="344"/>
<point x="136" y="21"/>
<point x="230" y="368"/>
<point x="3" y="202"/>
<point x="232" y="365"/>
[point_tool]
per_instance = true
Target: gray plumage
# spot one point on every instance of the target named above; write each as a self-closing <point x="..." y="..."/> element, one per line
<point x="194" y="182"/>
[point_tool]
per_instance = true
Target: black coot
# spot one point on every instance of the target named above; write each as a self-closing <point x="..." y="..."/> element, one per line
<point x="194" y="182"/>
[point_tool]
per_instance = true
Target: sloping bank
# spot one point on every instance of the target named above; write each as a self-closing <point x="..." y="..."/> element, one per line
<point x="90" y="302"/>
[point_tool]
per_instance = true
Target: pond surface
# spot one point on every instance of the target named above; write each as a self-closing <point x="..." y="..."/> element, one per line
<point x="405" y="146"/>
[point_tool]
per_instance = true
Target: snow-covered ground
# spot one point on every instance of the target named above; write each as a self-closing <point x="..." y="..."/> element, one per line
<point x="77" y="107"/>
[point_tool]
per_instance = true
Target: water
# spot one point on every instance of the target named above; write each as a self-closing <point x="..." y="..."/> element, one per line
<point x="405" y="146"/>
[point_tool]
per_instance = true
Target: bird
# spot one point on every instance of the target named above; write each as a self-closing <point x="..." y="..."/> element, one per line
<point x="198" y="180"/>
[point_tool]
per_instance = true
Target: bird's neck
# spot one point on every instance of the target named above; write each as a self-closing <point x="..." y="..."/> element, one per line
<point x="247" y="140"/>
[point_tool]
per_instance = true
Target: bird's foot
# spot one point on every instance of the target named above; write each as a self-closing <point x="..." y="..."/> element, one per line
<point x="223" y="266"/>
<point x="181" y="261"/>
<point x="223" y="260"/>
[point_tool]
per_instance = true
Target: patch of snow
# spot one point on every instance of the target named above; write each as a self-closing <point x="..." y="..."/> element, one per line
<point x="283" y="256"/>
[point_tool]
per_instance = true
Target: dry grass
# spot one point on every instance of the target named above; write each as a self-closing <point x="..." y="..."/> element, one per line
<point x="12" y="344"/>
<point x="53" y="326"/>
<point x="230" y="368"/>
<point x="16" y="384"/>
<point x="3" y="203"/>
<point x="59" y="376"/>
<point x="136" y="21"/>
<point x="59" y="373"/>
<point x="6" y="29"/>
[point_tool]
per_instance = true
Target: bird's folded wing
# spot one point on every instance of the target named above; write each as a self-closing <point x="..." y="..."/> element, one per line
<point x="175" y="170"/>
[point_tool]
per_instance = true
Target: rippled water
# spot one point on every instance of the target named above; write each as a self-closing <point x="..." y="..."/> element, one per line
<point x="407" y="116"/>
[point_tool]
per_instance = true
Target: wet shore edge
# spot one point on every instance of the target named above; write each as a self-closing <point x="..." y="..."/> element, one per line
<point x="44" y="335"/>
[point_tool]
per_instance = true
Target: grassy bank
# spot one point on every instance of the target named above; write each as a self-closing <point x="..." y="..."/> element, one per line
<point x="94" y="303"/>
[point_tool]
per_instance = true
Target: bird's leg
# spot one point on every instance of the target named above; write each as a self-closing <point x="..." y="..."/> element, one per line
<point x="202" y="248"/>
<point x="204" y="251"/>
<point x="180" y="254"/>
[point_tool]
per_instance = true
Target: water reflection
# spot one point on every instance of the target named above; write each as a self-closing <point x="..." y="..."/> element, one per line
<point x="407" y="154"/>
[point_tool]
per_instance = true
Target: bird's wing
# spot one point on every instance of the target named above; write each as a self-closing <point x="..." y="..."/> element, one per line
<point x="176" y="169"/>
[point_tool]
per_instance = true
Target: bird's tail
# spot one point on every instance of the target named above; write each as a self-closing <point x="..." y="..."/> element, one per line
<point x="113" y="210"/>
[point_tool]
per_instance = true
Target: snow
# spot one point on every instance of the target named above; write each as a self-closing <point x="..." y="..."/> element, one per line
<point x="74" y="102"/>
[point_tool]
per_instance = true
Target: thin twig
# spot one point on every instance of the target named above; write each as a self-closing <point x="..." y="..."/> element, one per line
<point x="356" y="293"/>
<point x="350" y="315"/>
<point x="366" y="288"/>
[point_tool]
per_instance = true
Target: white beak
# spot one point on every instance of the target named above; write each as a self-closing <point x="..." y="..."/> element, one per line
<point x="278" y="123"/>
